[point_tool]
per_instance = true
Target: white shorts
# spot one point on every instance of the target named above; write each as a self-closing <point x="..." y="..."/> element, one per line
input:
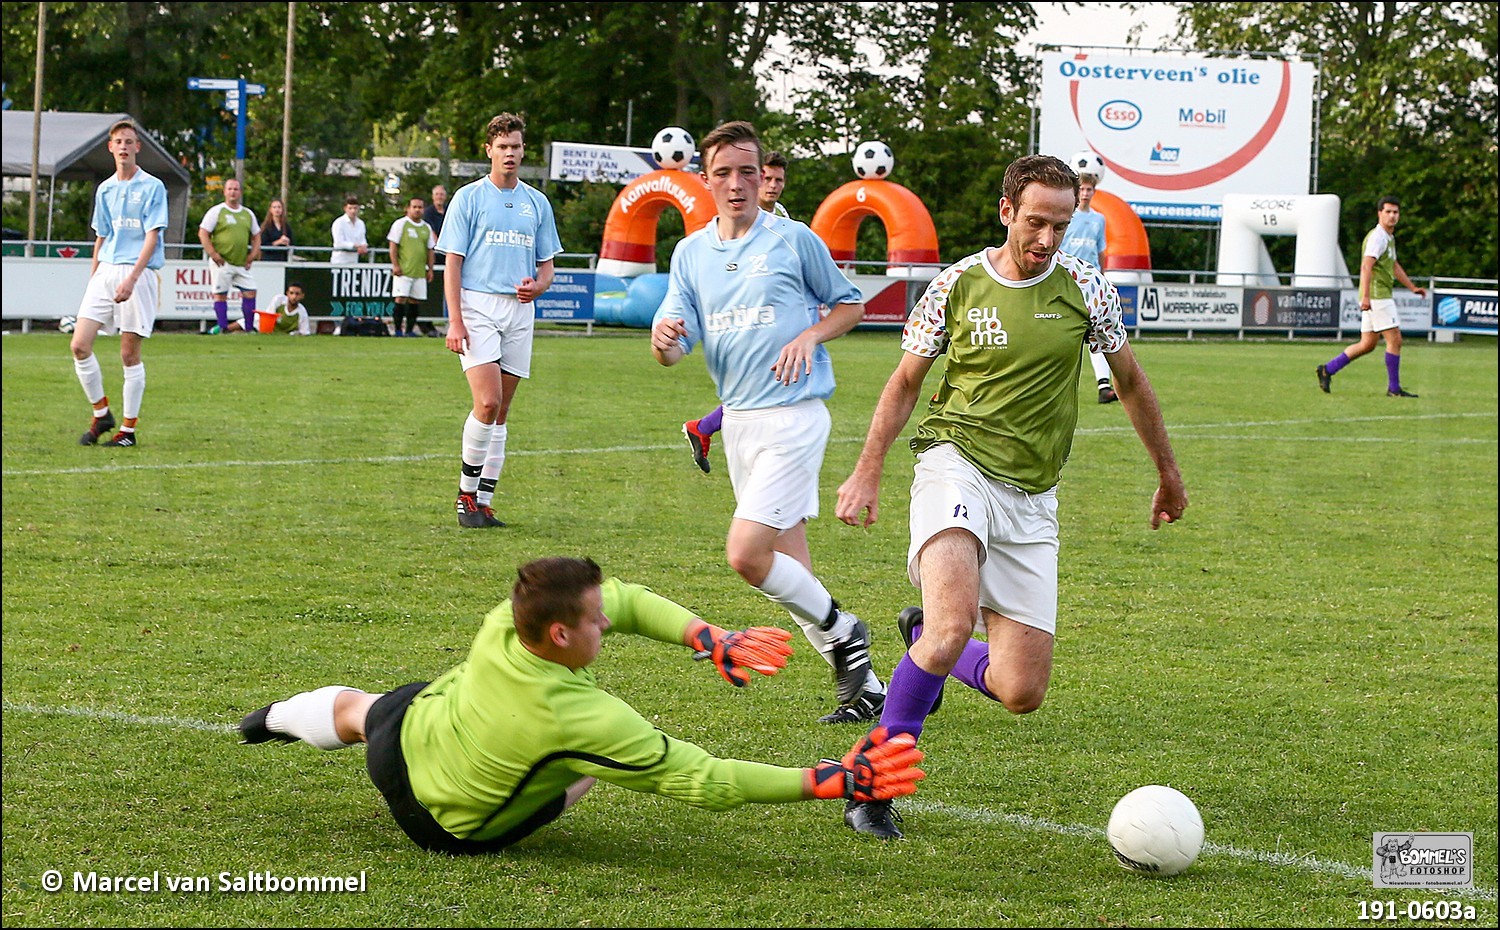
<point x="1380" y="317"/>
<point x="774" y="457"/>
<point x="499" y="328"/>
<point x="1017" y="533"/>
<point x="136" y="315"/>
<point x="415" y="288"/>
<point x="228" y="277"/>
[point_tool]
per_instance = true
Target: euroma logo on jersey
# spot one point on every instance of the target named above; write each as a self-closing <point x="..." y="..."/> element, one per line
<point x="1424" y="860"/>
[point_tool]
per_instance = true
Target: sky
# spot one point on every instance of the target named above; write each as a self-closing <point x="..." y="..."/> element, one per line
<point x="1098" y="24"/>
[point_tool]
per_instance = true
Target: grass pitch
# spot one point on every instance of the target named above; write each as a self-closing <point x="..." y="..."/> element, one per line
<point x="1310" y="655"/>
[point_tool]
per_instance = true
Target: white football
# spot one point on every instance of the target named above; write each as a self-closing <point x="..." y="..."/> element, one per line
<point x="1087" y="162"/>
<point x="673" y="147"/>
<point x="66" y="324"/>
<point x="873" y="161"/>
<point x="1155" y="830"/>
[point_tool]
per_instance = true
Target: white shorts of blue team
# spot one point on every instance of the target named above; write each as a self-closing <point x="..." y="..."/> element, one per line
<point x="229" y="277"/>
<point x="1017" y="534"/>
<point x="774" y="456"/>
<point x="499" y="329"/>
<point x="135" y="315"/>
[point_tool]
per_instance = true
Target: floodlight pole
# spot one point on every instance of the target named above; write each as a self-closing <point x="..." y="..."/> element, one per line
<point x="36" y="126"/>
<point x="286" y="106"/>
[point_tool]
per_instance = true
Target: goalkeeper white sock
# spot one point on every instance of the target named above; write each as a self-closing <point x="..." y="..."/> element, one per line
<point x="309" y="717"/>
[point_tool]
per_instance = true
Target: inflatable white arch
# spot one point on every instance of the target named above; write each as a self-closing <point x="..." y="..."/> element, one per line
<point x="1312" y="218"/>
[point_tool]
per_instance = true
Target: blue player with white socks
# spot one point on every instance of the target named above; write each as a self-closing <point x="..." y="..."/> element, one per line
<point x="747" y="287"/>
<point x="500" y="239"/>
<point x="130" y="213"/>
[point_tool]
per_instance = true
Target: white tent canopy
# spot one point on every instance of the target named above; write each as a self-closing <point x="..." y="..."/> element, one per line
<point x="74" y="148"/>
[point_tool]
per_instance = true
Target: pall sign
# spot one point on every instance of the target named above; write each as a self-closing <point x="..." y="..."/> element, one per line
<point x="1119" y="115"/>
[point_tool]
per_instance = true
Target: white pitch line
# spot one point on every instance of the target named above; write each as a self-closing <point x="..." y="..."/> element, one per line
<point x="658" y="447"/>
<point x="89" y="713"/>
<point x="1308" y="863"/>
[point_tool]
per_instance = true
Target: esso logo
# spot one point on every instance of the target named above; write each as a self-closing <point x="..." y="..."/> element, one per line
<point x="1119" y="114"/>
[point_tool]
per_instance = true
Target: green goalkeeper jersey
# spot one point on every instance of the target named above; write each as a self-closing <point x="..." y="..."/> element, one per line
<point x="495" y="739"/>
<point x="1008" y="400"/>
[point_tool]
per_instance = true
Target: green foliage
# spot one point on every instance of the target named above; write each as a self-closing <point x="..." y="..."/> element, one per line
<point x="1408" y="105"/>
<point x="1408" y="108"/>
<point x="1310" y="655"/>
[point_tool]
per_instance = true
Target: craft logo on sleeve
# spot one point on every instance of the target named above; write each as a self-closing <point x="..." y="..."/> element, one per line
<point x="1424" y="860"/>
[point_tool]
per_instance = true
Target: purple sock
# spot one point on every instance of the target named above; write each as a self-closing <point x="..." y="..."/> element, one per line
<point x="909" y="697"/>
<point x="248" y="305"/>
<point x="713" y="422"/>
<point x="972" y="665"/>
<point x="221" y="310"/>
<point x="1392" y="372"/>
<point x="1337" y="363"/>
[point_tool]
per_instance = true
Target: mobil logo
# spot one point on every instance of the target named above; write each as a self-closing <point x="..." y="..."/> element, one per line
<point x="1119" y="115"/>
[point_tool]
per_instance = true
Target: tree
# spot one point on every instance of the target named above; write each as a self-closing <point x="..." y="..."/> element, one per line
<point x="1408" y="108"/>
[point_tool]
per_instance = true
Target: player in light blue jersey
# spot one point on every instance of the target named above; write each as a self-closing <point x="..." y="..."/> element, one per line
<point x="747" y="287"/>
<point x="700" y="432"/>
<point x="1085" y="239"/>
<point x="500" y="239"/>
<point x="130" y="212"/>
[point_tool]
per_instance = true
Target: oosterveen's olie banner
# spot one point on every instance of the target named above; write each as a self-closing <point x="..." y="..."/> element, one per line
<point x="1178" y="133"/>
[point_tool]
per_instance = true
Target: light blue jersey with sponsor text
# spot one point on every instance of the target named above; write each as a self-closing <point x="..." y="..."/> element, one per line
<point x="746" y="298"/>
<point x="1085" y="236"/>
<point x="124" y="211"/>
<point x="501" y="234"/>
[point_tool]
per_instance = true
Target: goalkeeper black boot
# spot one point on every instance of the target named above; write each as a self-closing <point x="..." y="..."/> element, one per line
<point x="253" y="728"/>
<point x="908" y="620"/>
<point x="877" y="818"/>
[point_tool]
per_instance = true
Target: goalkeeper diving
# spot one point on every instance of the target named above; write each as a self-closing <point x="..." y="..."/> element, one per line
<point x="502" y="744"/>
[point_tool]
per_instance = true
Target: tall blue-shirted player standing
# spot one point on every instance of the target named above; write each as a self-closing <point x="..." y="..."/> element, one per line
<point x="748" y="287"/>
<point x="130" y="212"/>
<point x="500" y="239"/>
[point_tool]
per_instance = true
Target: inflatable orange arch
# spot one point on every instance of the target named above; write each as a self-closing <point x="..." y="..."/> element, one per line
<point x="1126" y="247"/>
<point x="629" y="246"/>
<point x="909" y="234"/>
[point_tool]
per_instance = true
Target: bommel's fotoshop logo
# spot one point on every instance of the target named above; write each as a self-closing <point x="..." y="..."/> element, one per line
<point x="1424" y="860"/>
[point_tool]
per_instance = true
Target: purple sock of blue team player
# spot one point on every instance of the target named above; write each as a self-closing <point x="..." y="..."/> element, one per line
<point x="248" y="306"/>
<point x="1392" y="372"/>
<point x="221" y="310"/>
<point x="909" y="697"/>
<point x="712" y="423"/>
<point x="1337" y="363"/>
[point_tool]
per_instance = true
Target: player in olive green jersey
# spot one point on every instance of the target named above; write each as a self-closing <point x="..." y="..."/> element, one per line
<point x="412" y="250"/>
<point x="505" y="742"/>
<point x="230" y="235"/>
<point x="1011" y="322"/>
<point x="1378" y="270"/>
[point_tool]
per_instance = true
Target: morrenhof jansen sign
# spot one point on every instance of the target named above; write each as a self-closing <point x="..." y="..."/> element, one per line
<point x="1177" y="134"/>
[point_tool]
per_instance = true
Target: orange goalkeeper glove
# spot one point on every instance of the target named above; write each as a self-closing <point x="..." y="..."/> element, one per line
<point x="878" y="768"/>
<point x="761" y="648"/>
